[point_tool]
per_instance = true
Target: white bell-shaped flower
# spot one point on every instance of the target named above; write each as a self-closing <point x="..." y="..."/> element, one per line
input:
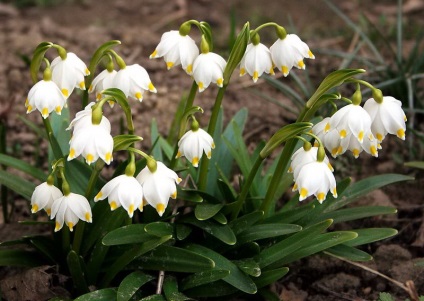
<point x="70" y="209"/>
<point x="351" y="119"/>
<point x="289" y="52"/>
<point x="45" y="96"/>
<point x="387" y="117"/>
<point x="133" y="80"/>
<point x="329" y="137"/>
<point x="315" y="178"/>
<point x="43" y="197"/>
<point x="208" y="67"/>
<point x="369" y="145"/>
<point x="304" y="156"/>
<point x="158" y="186"/>
<point x="69" y="73"/>
<point x="103" y="81"/>
<point x="177" y="49"/>
<point x="193" y="144"/>
<point x="123" y="191"/>
<point x="256" y="61"/>
<point x="83" y="119"/>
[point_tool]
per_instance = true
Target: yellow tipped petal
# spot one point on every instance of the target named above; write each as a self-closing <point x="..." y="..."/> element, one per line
<point x="219" y="82"/>
<point x="209" y="155"/>
<point x="57" y="227"/>
<point x="343" y="134"/>
<point x="255" y="76"/>
<point x="87" y="216"/>
<point x="379" y="137"/>
<point x="178" y="154"/>
<point x="294" y="187"/>
<point x="285" y="70"/>
<point x="335" y="151"/>
<point x="361" y="136"/>
<point x="82" y="85"/>
<point x="87" y="72"/>
<point x="138" y="95"/>
<point x="71" y="226"/>
<point x="334" y="192"/>
<point x="26" y="103"/>
<point x="131" y="209"/>
<point x="290" y="169"/>
<point x="201" y="86"/>
<point x="373" y="151"/>
<point x="154" y="54"/>
<point x="242" y="71"/>
<point x="355" y="152"/>
<point x="141" y="206"/>
<point x="152" y="88"/>
<point x="301" y="64"/>
<point x="45" y="112"/>
<point x="72" y="153"/>
<point x="310" y="54"/>
<point x="108" y="157"/>
<point x="98" y="96"/>
<point x="189" y="69"/>
<point x="98" y="196"/>
<point x="321" y="197"/>
<point x="174" y="195"/>
<point x="169" y="65"/>
<point x="48" y="211"/>
<point x="327" y="127"/>
<point x="113" y="205"/>
<point x="160" y="208"/>
<point x="58" y="110"/>
<point x="65" y="92"/>
<point x="339" y="150"/>
<point x="271" y="71"/>
<point x="89" y="158"/>
<point x="145" y="202"/>
<point x="195" y="161"/>
<point x="401" y="134"/>
<point x="179" y="180"/>
<point x="213" y="145"/>
<point x="330" y="166"/>
<point x="303" y="192"/>
<point x="34" y="208"/>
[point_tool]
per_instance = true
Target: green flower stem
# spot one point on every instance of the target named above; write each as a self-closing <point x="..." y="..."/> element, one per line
<point x="79" y="232"/>
<point x="280" y="29"/>
<point x="282" y="166"/>
<point x="57" y="152"/>
<point x="188" y="105"/>
<point x="203" y="172"/>
<point x="246" y="187"/>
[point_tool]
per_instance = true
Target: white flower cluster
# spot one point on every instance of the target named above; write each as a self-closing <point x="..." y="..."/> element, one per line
<point x="358" y="129"/>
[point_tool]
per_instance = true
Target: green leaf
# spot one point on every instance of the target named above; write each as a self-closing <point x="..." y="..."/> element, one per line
<point x="222" y="232"/>
<point x="130" y="255"/>
<point x="270" y="276"/>
<point x="102" y="294"/>
<point x="220" y="218"/>
<point x="131" y="234"/>
<point x="291" y="244"/>
<point x="17" y="184"/>
<point x="23" y="166"/>
<point x="154" y="298"/>
<point x="154" y="137"/>
<point x="348" y="252"/>
<point x="369" y="235"/>
<point x="202" y="278"/>
<point x="46" y="246"/>
<point x="237" y="52"/>
<point x="263" y="231"/>
<point x="168" y="258"/>
<point x="236" y="278"/>
<point x="159" y="229"/>
<point x="246" y="221"/>
<point x="334" y="79"/>
<point x="291" y="215"/>
<point x="59" y="124"/>
<point x="282" y="135"/>
<point x="249" y="266"/>
<point x="131" y="283"/>
<point x="122" y="142"/>
<point x="189" y="195"/>
<point x="76" y="271"/>
<point x="415" y="164"/>
<point x="22" y="258"/>
<point x="216" y="289"/>
<point x="317" y="244"/>
<point x="170" y="289"/>
<point x="206" y="211"/>
<point x="350" y="214"/>
<point x="365" y="186"/>
<point x="182" y="231"/>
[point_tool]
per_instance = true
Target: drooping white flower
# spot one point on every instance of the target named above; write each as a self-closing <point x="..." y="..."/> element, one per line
<point x="177" y="49"/>
<point x="387" y="117"/>
<point x="43" y="197"/>
<point x="303" y="156"/>
<point x="83" y="119"/>
<point x="103" y="81"/>
<point x="123" y="191"/>
<point x="90" y="140"/>
<point x="45" y="96"/>
<point x="69" y="73"/>
<point x="289" y="52"/>
<point x="315" y="178"/>
<point x="158" y="186"/>
<point x="208" y="67"/>
<point x="351" y="119"/>
<point x="70" y="209"/>
<point x="193" y="144"/>
<point x="256" y="61"/>
<point x="133" y="80"/>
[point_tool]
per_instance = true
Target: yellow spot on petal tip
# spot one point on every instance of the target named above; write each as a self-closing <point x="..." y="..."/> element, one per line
<point x="303" y="193"/>
<point x="169" y="65"/>
<point x="213" y="145"/>
<point x="301" y="64"/>
<point x="174" y="195"/>
<point x="242" y="71"/>
<point x="209" y="155"/>
<point x="361" y="136"/>
<point x="373" y="151"/>
<point x="89" y="158"/>
<point x="29" y="109"/>
<point x="152" y="88"/>
<point x="113" y="205"/>
<point x="334" y="192"/>
<point x="311" y="55"/>
<point x="58" y="110"/>
<point x="219" y="82"/>
<point x="87" y="72"/>
<point x="87" y="217"/>
<point x="98" y="196"/>
<point x="178" y="155"/>
<point x="321" y="197"/>
<point x="255" y="76"/>
<point x="81" y="85"/>
<point x="160" y="208"/>
<point x="71" y="226"/>
<point x="71" y="154"/>
<point x="65" y="92"/>
<point x="201" y="86"/>
<point x="355" y="152"/>
<point x="294" y="187"/>
<point x="154" y="54"/>
<point x="379" y="137"/>
<point x="26" y="103"/>
<point x="343" y="134"/>
<point x="179" y="180"/>
<point x="131" y="210"/>
<point x="327" y="127"/>
<point x="49" y="211"/>
<point x="108" y="158"/>
<point x="57" y="227"/>
<point x="189" y="69"/>
<point x="34" y="208"/>
<point x="138" y="95"/>
<point x="45" y="112"/>
<point x="195" y="161"/>
<point x="401" y="134"/>
<point x="285" y="70"/>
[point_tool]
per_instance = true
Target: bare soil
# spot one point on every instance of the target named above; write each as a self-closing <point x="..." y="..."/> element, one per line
<point x="81" y="26"/>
